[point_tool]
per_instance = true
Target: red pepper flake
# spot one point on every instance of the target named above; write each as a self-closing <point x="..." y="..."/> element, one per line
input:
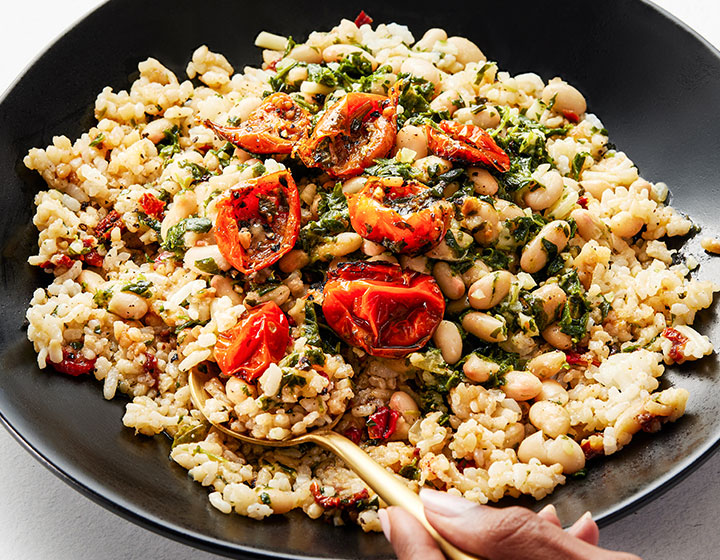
<point x="330" y="502"/>
<point x="581" y="359"/>
<point x="571" y="116"/>
<point x="583" y="202"/>
<point x="382" y="423"/>
<point x="363" y="18"/>
<point x="463" y="464"/>
<point x="74" y="363"/>
<point x="151" y="205"/>
<point x="354" y="434"/>
<point x="151" y="367"/>
<point x="679" y="341"/>
<point x="107" y="224"/>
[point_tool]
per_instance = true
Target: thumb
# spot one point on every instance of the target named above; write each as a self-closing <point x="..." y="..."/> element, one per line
<point x="502" y="533"/>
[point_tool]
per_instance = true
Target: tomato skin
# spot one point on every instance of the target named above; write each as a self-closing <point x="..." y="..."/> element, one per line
<point x="350" y="135"/>
<point x="402" y="217"/>
<point x="385" y="310"/>
<point x="259" y="339"/>
<point x="242" y="208"/>
<point x="272" y="128"/>
<point x="466" y="143"/>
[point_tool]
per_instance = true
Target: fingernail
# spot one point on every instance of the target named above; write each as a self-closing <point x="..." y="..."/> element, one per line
<point x="384" y="523"/>
<point x="548" y="509"/>
<point x="444" y="503"/>
<point x="587" y="516"/>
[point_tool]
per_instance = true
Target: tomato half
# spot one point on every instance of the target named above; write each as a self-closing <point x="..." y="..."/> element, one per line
<point x="272" y="128"/>
<point x="350" y="135"/>
<point x="466" y="143"/>
<point x="387" y="311"/>
<point x="400" y="215"/>
<point x="258" y="222"/>
<point x="258" y="340"/>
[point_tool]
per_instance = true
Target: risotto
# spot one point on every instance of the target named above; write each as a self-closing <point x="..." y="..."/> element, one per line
<point x="454" y="259"/>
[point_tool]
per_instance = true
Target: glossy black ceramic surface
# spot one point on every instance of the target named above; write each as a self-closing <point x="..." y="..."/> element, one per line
<point x="654" y="84"/>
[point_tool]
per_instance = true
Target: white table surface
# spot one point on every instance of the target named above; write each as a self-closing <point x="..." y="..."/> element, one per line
<point x="41" y="518"/>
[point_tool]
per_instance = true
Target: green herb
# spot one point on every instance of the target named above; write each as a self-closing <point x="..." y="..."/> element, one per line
<point x="291" y="379"/>
<point x="333" y="219"/>
<point x="199" y="449"/>
<point x="582" y="473"/>
<point x="175" y="239"/>
<point x="311" y="329"/>
<point x="141" y="288"/>
<point x="278" y="81"/>
<point x="199" y="173"/>
<point x="291" y="44"/>
<point x="77" y="344"/>
<point x="224" y="154"/>
<point x="170" y="145"/>
<point x="392" y="168"/>
<point x="188" y="433"/>
<point x="207" y="265"/>
<point x="102" y="297"/>
<point x="576" y="312"/>
<point x="190" y="324"/>
<point x="524" y="228"/>
<point x="414" y="97"/>
<point x="149" y="221"/>
<point x="265" y="498"/>
<point x="411" y="472"/>
<point x="577" y="164"/>
<point x="98" y="140"/>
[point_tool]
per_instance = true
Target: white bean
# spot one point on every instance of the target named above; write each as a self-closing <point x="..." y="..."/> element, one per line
<point x="485" y="327"/>
<point x="457" y="306"/>
<point x="482" y="219"/>
<point x="624" y="224"/>
<point x="413" y="138"/>
<point x="90" y="281"/>
<point x="183" y="205"/>
<point x="475" y="272"/>
<point x="552" y="298"/>
<point x="490" y="290"/>
<point x="547" y="364"/>
<point x="550" y="417"/>
<point x="534" y="257"/>
<point x="238" y="390"/>
<point x="294" y="260"/>
<point x="201" y="254"/>
<point x="345" y="243"/>
<point x="306" y="53"/>
<point x="507" y="210"/>
<point x="588" y="226"/>
<point x="372" y="249"/>
<point x="128" y="305"/>
<point x="431" y="166"/>
<point x="422" y="69"/>
<point x="432" y="36"/>
<point x="467" y="51"/>
<point x="450" y="283"/>
<point x="556" y="338"/>
<point x="553" y="391"/>
<point x="479" y="370"/>
<point x="533" y="447"/>
<point x="354" y="185"/>
<point x="447" y="338"/>
<point x="567" y="452"/>
<point x="521" y="385"/>
<point x="224" y="288"/>
<point x="418" y="264"/>
<point x="446" y="101"/>
<point x="566" y="97"/>
<point x="483" y="181"/>
<point x="546" y="192"/>
<point x="403" y="403"/>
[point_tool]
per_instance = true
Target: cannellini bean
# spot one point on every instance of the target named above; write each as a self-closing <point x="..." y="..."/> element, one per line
<point x="550" y="417"/>
<point x="566" y="97"/>
<point x="335" y="53"/>
<point x="446" y="101"/>
<point x="200" y="255"/>
<point x="479" y="370"/>
<point x="403" y="403"/>
<point x="354" y="185"/>
<point x="552" y="299"/>
<point x="238" y="390"/>
<point x="490" y="290"/>
<point x="482" y="219"/>
<point x="447" y="338"/>
<point x="431" y="166"/>
<point x="483" y="181"/>
<point x="533" y="447"/>
<point x="507" y="210"/>
<point x="624" y="224"/>
<point x="418" y="264"/>
<point x="467" y="51"/>
<point x="485" y="327"/>
<point x="183" y="205"/>
<point x="588" y="226"/>
<point x="344" y="244"/>
<point x="547" y="364"/>
<point x="457" y="306"/>
<point x="155" y="130"/>
<point x="128" y="305"/>
<point x="297" y="74"/>
<point x="90" y="281"/>
<point x="553" y="391"/>
<point x="514" y="434"/>
<point x="546" y="192"/>
<point x="422" y="69"/>
<point x="432" y="36"/>
<point x="567" y="452"/>
<point x="450" y="283"/>
<point x="556" y="338"/>
<point x="521" y="385"/>
<point x="475" y="272"/>
<point x="534" y="257"/>
<point x="306" y="53"/>
<point x="224" y="288"/>
<point x="413" y="138"/>
<point x="488" y="117"/>
<point x="294" y="260"/>
<point x="278" y="295"/>
<point x="372" y="249"/>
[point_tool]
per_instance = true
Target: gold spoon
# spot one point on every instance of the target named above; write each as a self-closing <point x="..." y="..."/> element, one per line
<point x="386" y="485"/>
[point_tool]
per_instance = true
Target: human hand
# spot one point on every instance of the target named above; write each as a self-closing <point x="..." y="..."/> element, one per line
<point x="492" y="533"/>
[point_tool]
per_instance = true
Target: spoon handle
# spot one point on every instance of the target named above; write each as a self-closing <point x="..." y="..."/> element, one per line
<point x="385" y="484"/>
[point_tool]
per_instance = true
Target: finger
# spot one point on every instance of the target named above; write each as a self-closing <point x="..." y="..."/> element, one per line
<point x="501" y="533"/>
<point x="548" y="513"/>
<point x="585" y="529"/>
<point x="409" y="539"/>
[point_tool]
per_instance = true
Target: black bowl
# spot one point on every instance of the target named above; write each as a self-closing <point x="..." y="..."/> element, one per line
<point x="654" y="83"/>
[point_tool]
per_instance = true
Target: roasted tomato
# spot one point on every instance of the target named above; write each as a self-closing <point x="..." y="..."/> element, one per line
<point x="387" y="311"/>
<point x="258" y="222"/>
<point x="272" y="128"/>
<point x="402" y="216"/>
<point x="350" y="135"/>
<point x="466" y="143"/>
<point x="258" y="340"/>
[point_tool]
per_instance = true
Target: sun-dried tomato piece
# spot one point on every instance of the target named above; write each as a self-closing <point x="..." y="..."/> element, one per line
<point x="151" y="205"/>
<point x="74" y="363"/>
<point x="336" y="502"/>
<point x="382" y="423"/>
<point x="107" y="224"/>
